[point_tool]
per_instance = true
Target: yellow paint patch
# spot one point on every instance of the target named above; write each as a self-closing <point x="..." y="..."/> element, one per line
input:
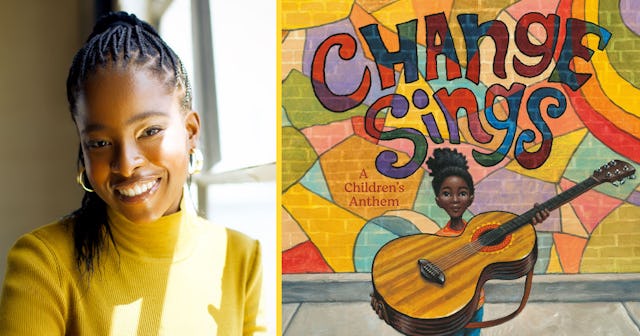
<point x="554" y="261"/>
<point x="614" y="245"/>
<point x="332" y="229"/>
<point x="561" y="153"/>
<point x="355" y="183"/>
<point x="297" y="14"/>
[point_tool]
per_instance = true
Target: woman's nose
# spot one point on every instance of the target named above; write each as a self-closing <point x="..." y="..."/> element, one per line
<point x="126" y="159"/>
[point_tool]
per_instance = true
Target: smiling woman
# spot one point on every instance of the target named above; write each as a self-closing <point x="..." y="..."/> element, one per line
<point x="134" y="259"/>
<point x="136" y="159"/>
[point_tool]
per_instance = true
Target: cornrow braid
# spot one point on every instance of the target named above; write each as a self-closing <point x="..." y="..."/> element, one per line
<point x="121" y="39"/>
<point x="446" y="162"/>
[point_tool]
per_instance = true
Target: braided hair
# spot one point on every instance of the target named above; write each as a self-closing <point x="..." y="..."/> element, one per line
<point x="118" y="39"/>
<point x="446" y="162"/>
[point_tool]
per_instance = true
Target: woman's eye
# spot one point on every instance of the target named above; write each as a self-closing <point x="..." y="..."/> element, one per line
<point x="151" y="131"/>
<point x="97" y="143"/>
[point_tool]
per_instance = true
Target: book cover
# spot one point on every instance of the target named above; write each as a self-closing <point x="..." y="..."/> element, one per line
<point x="536" y="95"/>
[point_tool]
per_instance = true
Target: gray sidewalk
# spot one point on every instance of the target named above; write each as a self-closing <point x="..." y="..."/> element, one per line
<point x="600" y="304"/>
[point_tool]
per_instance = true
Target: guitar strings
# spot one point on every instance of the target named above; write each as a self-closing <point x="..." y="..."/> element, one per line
<point x="458" y="255"/>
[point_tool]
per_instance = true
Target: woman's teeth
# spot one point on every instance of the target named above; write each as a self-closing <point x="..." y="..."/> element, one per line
<point x="137" y="189"/>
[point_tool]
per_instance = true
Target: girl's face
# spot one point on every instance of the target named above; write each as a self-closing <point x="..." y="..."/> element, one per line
<point x="454" y="196"/>
<point x="136" y="141"/>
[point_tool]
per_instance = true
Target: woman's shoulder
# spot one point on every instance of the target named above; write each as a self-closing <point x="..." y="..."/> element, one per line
<point x="54" y="240"/>
<point x="57" y="229"/>
<point x="58" y="233"/>
<point x="42" y="256"/>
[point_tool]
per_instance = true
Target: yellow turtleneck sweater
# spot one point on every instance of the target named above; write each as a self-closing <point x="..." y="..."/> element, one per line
<point x="180" y="275"/>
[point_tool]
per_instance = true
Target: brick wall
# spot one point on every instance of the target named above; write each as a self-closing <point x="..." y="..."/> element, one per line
<point x="326" y="150"/>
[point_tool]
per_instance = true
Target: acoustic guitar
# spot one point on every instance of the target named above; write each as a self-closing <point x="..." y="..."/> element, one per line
<point x="425" y="284"/>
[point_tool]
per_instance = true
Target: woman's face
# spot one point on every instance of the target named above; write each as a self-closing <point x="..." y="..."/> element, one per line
<point x="454" y="196"/>
<point x="136" y="141"/>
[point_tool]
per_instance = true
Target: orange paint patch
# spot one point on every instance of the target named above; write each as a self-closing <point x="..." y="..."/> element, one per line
<point x="569" y="249"/>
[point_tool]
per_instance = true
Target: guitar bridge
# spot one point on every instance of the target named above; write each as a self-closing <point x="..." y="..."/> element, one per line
<point x="431" y="272"/>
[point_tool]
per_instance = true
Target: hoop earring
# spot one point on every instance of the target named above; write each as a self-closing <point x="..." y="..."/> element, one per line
<point x="196" y="161"/>
<point x="80" y="180"/>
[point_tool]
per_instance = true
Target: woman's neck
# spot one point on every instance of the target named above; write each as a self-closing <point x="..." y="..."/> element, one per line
<point x="171" y="236"/>
<point x="456" y="223"/>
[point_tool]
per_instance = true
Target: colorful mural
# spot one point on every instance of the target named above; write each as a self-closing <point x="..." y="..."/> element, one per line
<point x="536" y="94"/>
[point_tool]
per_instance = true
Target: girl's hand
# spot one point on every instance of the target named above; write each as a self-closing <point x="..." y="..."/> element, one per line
<point x="540" y="216"/>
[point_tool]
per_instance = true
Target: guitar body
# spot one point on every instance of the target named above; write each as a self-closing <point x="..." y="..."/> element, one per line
<point x="415" y="306"/>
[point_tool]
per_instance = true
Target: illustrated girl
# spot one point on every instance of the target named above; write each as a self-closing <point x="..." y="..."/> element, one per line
<point x="454" y="189"/>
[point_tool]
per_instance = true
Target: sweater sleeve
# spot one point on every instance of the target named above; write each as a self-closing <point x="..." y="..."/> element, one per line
<point x="32" y="301"/>
<point x="254" y="317"/>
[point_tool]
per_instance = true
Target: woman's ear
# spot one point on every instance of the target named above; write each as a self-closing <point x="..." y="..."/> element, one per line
<point x="192" y="125"/>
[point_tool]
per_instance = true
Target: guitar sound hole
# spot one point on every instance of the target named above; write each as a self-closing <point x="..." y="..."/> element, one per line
<point x="492" y="246"/>
<point x="494" y="243"/>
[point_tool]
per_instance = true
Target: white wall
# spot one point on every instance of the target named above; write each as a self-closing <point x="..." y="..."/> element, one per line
<point x="38" y="142"/>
